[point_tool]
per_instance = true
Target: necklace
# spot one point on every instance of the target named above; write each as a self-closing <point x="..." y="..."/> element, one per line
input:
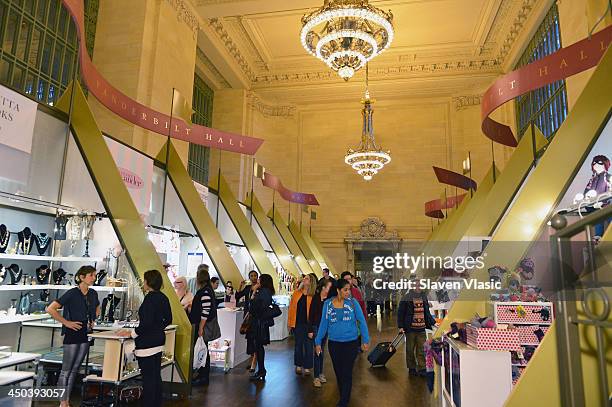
<point x="25" y="240"/>
<point x="43" y="241"/>
<point x="101" y="275"/>
<point x="16" y="273"/>
<point x="58" y="276"/>
<point x="42" y="273"/>
<point x="5" y="236"/>
<point x="2" y="273"/>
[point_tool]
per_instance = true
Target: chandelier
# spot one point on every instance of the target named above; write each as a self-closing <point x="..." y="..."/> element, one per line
<point x="368" y="158"/>
<point x="346" y="34"/>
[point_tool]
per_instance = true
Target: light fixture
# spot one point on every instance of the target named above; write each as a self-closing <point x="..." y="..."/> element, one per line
<point x="346" y="34"/>
<point x="368" y="158"/>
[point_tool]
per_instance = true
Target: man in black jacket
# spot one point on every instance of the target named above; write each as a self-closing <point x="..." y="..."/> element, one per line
<point x="327" y="276"/>
<point x="413" y="317"/>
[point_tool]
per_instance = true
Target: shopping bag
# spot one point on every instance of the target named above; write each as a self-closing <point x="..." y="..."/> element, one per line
<point x="200" y="352"/>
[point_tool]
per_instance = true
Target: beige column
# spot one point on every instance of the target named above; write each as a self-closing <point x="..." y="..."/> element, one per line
<point x="576" y="18"/>
<point x="145" y="48"/>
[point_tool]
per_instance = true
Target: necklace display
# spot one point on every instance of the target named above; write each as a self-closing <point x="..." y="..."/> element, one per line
<point x="59" y="231"/>
<point x="101" y="276"/>
<point x="43" y="241"/>
<point x="5" y="236"/>
<point x="2" y="274"/>
<point x="25" y="240"/>
<point x="58" y="276"/>
<point x="16" y="273"/>
<point x="42" y="274"/>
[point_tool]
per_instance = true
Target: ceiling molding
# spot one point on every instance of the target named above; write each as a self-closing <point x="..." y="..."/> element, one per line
<point x="269" y="109"/>
<point x="210" y="70"/>
<point x="185" y="14"/>
<point x="231" y="47"/>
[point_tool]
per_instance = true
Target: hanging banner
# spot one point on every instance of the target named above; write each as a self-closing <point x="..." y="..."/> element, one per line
<point x="434" y="208"/>
<point x="566" y="62"/>
<point x="136" y="170"/>
<point x="275" y="183"/>
<point x="17" y="117"/>
<point x="454" y="179"/>
<point x="143" y="116"/>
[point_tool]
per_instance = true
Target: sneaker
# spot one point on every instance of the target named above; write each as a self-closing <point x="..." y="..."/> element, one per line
<point x="298" y="370"/>
<point x="316" y="382"/>
<point x="322" y="378"/>
<point x="306" y="372"/>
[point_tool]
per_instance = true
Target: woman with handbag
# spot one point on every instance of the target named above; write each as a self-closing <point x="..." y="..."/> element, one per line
<point x="204" y="316"/>
<point x="154" y="316"/>
<point x="262" y="312"/>
<point x="341" y="321"/>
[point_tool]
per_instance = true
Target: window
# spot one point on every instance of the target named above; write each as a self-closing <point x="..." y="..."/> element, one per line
<point x="39" y="46"/>
<point x="546" y="107"/>
<point x="202" y="106"/>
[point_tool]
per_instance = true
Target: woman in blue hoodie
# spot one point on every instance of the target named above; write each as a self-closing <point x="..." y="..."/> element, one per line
<point x="342" y="321"/>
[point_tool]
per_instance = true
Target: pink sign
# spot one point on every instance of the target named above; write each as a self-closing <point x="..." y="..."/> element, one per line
<point x="272" y="181"/>
<point x="145" y="117"/>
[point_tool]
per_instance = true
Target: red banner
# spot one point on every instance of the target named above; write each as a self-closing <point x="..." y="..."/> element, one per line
<point x="566" y="62"/>
<point x="455" y="179"/>
<point x="143" y="116"/>
<point x="273" y="182"/>
<point x="433" y="209"/>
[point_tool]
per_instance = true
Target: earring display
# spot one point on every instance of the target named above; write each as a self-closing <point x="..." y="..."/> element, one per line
<point x="25" y="238"/>
<point x="42" y="274"/>
<point x="43" y="241"/>
<point x="59" y="231"/>
<point x="5" y="236"/>
<point x="16" y="273"/>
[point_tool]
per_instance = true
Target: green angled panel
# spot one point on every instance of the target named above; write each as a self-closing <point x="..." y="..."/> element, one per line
<point x="122" y="213"/>
<point x="283" y="230"/>
<point x="301" y="241"/>
<point x="506" y="187"/>
<point x="199" y="216"/>
<point x="321" y="252"/>
<point x="281" y="251"/>
<point x="244" y="229"/>
<point x="546" y="185"/>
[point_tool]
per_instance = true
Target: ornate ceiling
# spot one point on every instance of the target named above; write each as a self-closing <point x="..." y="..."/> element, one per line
<point x="441" y="47"/>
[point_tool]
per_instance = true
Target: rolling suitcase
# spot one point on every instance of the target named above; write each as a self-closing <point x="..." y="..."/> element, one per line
<point x="381" y="354"/>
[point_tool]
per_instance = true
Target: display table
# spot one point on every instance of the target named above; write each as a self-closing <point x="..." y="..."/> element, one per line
<point x="280" y="330"/>
<point x="229" y="322"/>
<point x="12" y="377"/>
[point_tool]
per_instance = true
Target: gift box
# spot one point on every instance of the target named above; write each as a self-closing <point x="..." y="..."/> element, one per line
<point x="527" y="336"/>
<point x="493" y="339"/>
<point x="507" y="313"/>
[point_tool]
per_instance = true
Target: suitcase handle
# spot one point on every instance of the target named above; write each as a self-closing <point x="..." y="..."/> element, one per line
<point x="397" y="340"/>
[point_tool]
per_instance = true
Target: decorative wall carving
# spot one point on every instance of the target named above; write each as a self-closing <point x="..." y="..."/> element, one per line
<point x="218" y="76"/>
<point x="462" y="102"/>
<point x="184" y="14"/>
<point x="372" y="228"/>
<point x="270" y="110"/>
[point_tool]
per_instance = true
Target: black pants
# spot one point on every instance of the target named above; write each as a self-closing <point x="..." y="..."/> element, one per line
<point x="150" y="367"/>
<point x="343" y="356"/>
<point x="204" y="371"/>
<point x="303" y="352"/>
<point x="261" y="357"/>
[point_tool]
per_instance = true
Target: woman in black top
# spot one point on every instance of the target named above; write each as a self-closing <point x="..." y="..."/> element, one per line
<point x="203" y="311"/>
<point x="244" y="294"/>
<point x="154" y="315"/>
<point x="80" y="308"/>
<point x="260" y="326"/>
<point x="314" y="319"/>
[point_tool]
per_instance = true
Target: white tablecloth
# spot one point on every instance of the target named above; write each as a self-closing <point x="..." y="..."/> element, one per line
<point x="280" y="331"/>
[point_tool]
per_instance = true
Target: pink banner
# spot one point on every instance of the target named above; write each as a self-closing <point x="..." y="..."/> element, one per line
<point x="566" y="62"/>
<point x="433" y="209"/>
<point x="273" y="182"/>
<point x="454" y="178"/>
<point x="143" y="116"/>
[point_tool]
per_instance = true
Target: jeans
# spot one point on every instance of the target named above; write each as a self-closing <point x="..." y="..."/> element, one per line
<point x="150" y="367"/>
<point x="204" y="371"/>
<point x="343" y="356"/>
<point x="302" y="356"/>
<point x="318" y="359"/>
<point x="415" y="353"/>
<point x="261" y="358"/>
<point x="73" y="357"/>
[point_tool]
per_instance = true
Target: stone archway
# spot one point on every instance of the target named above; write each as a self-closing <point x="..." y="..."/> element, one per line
<point x="371" y="237"/>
